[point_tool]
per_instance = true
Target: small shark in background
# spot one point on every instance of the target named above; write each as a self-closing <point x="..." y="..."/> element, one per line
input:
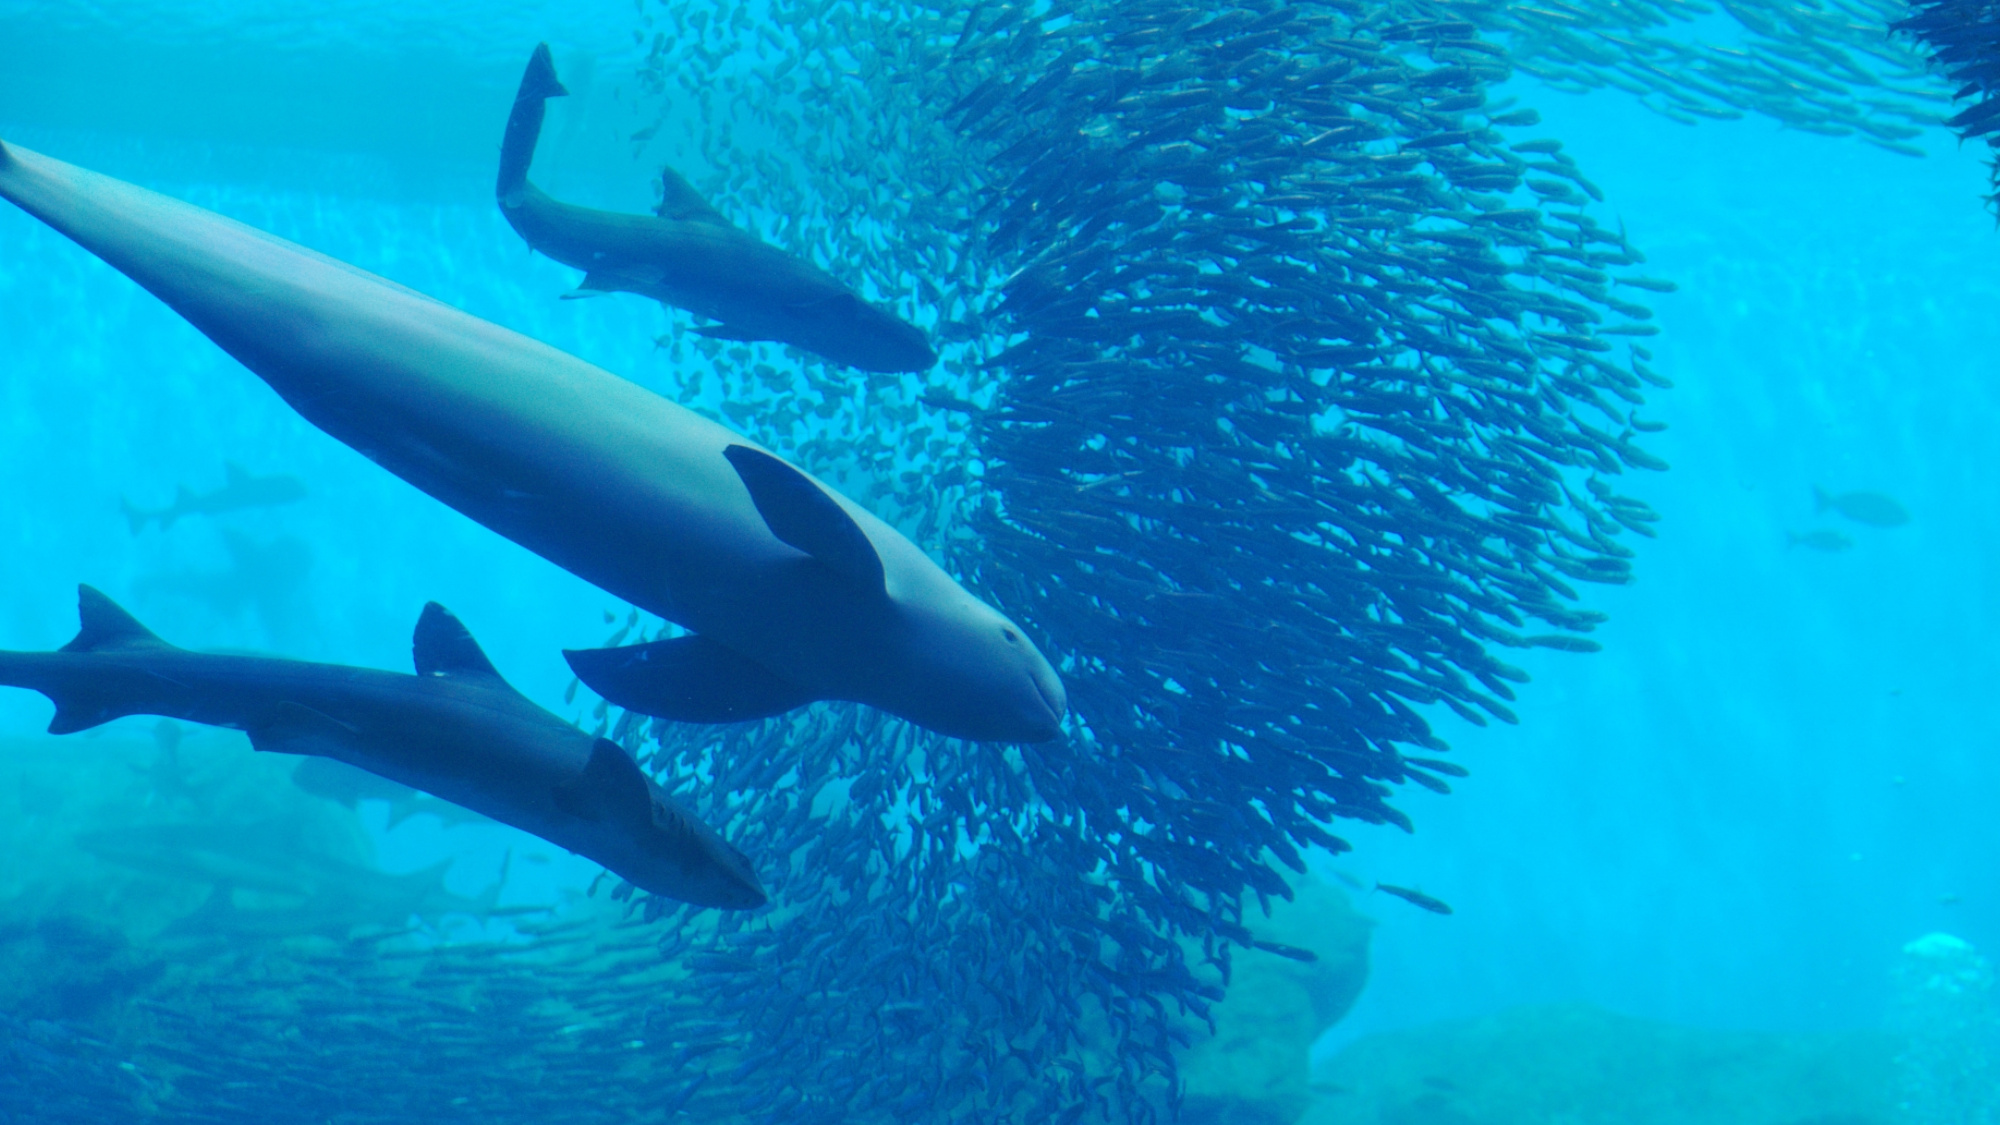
<point x="296" y="888"/>
<point x="692" y="258"/>
<point x="240" y="489"/>
<point x="455" y="730"/>
<point x="348" y="786"/>
<point x="265" y="577"/>
<point x="166" y="774"/>
<point x="1871" y="508"/>
<point x="1819" y="539"/>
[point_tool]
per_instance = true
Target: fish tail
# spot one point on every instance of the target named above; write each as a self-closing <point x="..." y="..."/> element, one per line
<point x="134" y="516"/>
<point x="524" y="124"/>
<point x="80" y="699"/>
<point x="84" y="696"/>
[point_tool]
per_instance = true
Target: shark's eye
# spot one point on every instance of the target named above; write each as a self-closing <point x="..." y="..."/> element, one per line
<point x="1012" y="637"/>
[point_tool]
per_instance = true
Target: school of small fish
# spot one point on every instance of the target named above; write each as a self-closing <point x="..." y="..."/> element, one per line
<point x="1284" y="383"/>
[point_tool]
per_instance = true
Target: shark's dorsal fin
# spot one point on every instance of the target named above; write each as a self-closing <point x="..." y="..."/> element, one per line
<point x="234" y="473"/>
<point x="103" y="625"/>
<point x="611" y="787"/>
<point x="801" y="514"/>
<point x="680" y="202"/>
<point x="444" y="647"/>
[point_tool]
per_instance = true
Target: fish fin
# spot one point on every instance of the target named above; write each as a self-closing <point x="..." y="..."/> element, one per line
<point x="799" y="512"/>
<point x="586" y="289"/>
<point x="133" y="515"/>
<point x="103" y="626"/>
<point x="443" y="646"/>
<point x="294" y="728"/>
<point x="730" y="332"/>
<point x="184" y="500"/>
<point x="488" y="900"/>
<point x="611" y="787"/>
<point x="348" y="785"/>
<point x="234" y="473"/>
<point x="539" y="80"/>
<point x="687" y="679"/>
<point x="80" y="709"/>
<point x="1821" y="500"/>
<point x="681" y="203"/>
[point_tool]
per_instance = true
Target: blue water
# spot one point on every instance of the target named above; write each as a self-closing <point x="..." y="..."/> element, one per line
<point x="1781" y="763"/>
<point x="1780" y="769"/>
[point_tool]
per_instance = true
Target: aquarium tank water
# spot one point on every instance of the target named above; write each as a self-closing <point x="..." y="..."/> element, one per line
<point x="1350" y="562"/>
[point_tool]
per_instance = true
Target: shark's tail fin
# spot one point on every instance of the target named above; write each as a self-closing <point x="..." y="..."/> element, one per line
<point x="135" y="516"/>
<point x="184" y="501"/>
<point x="524" y="125"/>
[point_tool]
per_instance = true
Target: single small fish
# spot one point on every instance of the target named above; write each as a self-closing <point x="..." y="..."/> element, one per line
<point x="240" y="489"/>
<point x="1871" y="508"/>
<point x="1416" y="898"/>
<point x="1821" y="539"/>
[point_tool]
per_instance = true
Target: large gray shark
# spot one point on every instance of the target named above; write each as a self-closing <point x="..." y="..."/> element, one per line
<point x="455" y="730"/>
<point x="793" y="593"/>
<point x="690" y="257"/>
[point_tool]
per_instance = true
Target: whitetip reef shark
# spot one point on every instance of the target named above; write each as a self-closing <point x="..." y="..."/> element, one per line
<point x="455" y="730"/>
<point x="690" y="257"/>
<point x="792" y="592"/>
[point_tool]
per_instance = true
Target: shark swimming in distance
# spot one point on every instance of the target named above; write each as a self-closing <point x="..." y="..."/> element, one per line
<point x="690" y="257"/>
<point x="455" y="730"/>
<point x="792" y="592"/>
<point x="240" y="490"/>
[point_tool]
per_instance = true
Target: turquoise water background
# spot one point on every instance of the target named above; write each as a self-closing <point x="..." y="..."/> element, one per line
<point x="1780" y="769"/>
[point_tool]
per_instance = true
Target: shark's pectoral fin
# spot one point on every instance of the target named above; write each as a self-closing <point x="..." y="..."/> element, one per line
<point x="611" y="787"/>
<point x="731" y="332"/>
<point x="801" y="514"/>
<point x="687" y="679"/>
<point x="294" y="728"/>
<point x="622" y="278"/>
<point x="596" y="284"/>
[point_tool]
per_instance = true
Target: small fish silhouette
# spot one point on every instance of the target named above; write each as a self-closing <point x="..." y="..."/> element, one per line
<point x="1416" y="898"/>
<point x="242" y="489"/>
<point x="1819" y="539"/>
<point x="1871" y="508"/>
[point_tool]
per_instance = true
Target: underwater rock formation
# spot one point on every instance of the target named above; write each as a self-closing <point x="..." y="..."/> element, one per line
<point x="1255" y="1067"/>
<point x="1948" y="1062"/>
<point x="1581" y="1064"/>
